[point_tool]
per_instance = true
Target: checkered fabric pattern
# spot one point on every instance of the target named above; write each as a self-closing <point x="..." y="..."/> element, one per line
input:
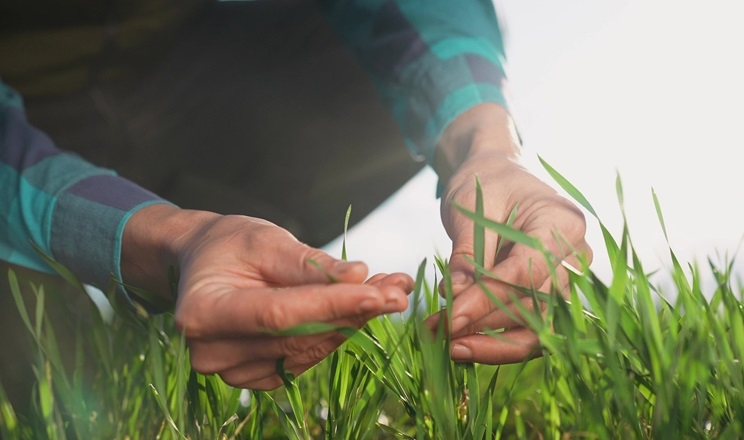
<point x="72" y="210"/>
<point x="430" y="60"/>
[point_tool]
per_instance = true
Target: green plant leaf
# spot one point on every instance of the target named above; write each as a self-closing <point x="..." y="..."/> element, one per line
<point x="568" y="187"/>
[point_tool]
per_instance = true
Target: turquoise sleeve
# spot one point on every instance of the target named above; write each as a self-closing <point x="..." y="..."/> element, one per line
<point x="430" y="60"/>
<point x="72" y="210"/>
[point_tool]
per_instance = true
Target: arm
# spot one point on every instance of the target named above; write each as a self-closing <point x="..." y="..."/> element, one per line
<point x="482" y="142"/>
<point x="74" y="211"/>
<point x="430" y="61"/>
<point x="241" y="278"/>
<point x="439" y="67"/>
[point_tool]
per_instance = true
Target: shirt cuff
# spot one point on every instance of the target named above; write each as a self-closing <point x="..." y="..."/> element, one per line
<point x="446" y="90"/>
<point x="88" y="223"/>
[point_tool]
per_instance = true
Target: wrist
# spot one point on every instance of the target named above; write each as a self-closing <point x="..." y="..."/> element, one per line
<point x="485" y="128"/>
<point x="152" y="242"/>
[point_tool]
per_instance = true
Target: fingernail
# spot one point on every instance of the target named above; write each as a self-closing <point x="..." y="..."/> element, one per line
<point x="459" y="324"/>
<point x="368" y="306"/>
<point x="461" y="353"/>
<point x="392" y="306"/>
<point x="458" y="278"/>
<point x="350" y="271"/>
<point x="344" y="266"/>
<point x="392" y="303"/>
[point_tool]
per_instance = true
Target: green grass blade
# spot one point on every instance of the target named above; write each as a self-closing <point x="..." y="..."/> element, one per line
<point x="63" y="271"/>
<point x="569" y="187"/>
<point x="310" y="328"/>
<point x="346" y="228"/>
<point x="15" y="290"/>
<point x="659" y="214"/>
<point x="8" y="418"/>
<point x="479" y="232"/>
<point x="160" y="399"/>
<point x="294" y="397"/>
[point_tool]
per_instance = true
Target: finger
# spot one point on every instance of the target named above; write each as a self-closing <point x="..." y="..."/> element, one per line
<point x="559" y="281"/>
<point x="375" y="279"/>
<point x="210" y="356"/>
<point x="400" y="280"/>
<point x="524" y="266"/>
<point x="299" y="264"/>
<point x="462" y="272"/>
<point x="507" y="347"/>
<point x="274" y="381"/>
<point x="461" y="266"/>
<point x="527" y="268"/>
<point x="250" y="312"/>
<point x="510" y="316"/>
<point x="262" y="374"/>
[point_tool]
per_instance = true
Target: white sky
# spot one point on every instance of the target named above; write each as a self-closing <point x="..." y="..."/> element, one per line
<point x="651" y="89"/>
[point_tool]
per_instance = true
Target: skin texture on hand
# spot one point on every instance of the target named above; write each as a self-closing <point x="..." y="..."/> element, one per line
<point x="482" y="143"/>
<point x="242" y="280"/>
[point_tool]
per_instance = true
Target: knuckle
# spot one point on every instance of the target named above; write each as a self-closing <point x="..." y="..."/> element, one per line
<point x="273" y="317"/>
<point x="190" y="321"/>
<point x="317" y="353"/>
<point x="291" y="346"/>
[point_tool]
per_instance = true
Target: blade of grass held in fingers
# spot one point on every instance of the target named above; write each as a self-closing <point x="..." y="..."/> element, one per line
<point x="320" y="267"/>
<point x="544" y="296"/>
<point x="312" y="328"/>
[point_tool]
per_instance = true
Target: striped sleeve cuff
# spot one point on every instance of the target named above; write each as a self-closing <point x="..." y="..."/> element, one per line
<point x="72" y="210"/>
<point x="444" y="90"/>
<point x="88" y="222"/>
<point x="430" y="61"/>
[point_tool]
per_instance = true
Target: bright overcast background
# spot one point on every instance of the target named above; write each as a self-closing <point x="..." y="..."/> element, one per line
<point x="650" y="89"/>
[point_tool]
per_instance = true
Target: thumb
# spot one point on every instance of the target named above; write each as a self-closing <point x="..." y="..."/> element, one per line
<point x="461" y="269"/>
<point x="298" y="264"/>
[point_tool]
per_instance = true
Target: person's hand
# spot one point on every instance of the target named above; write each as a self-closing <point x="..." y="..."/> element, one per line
<point x="244" y="280"/>
<point x="492" y="154"/>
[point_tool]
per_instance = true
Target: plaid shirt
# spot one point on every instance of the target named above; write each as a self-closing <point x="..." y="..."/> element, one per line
<point x="430" y="61"/>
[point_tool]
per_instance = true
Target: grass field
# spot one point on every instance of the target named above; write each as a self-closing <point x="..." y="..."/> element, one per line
<point x="621" y="360"/>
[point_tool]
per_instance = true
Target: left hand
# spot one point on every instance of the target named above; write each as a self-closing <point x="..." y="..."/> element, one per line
<point x="492" y="154"/>
<point x="242" y="282"/>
